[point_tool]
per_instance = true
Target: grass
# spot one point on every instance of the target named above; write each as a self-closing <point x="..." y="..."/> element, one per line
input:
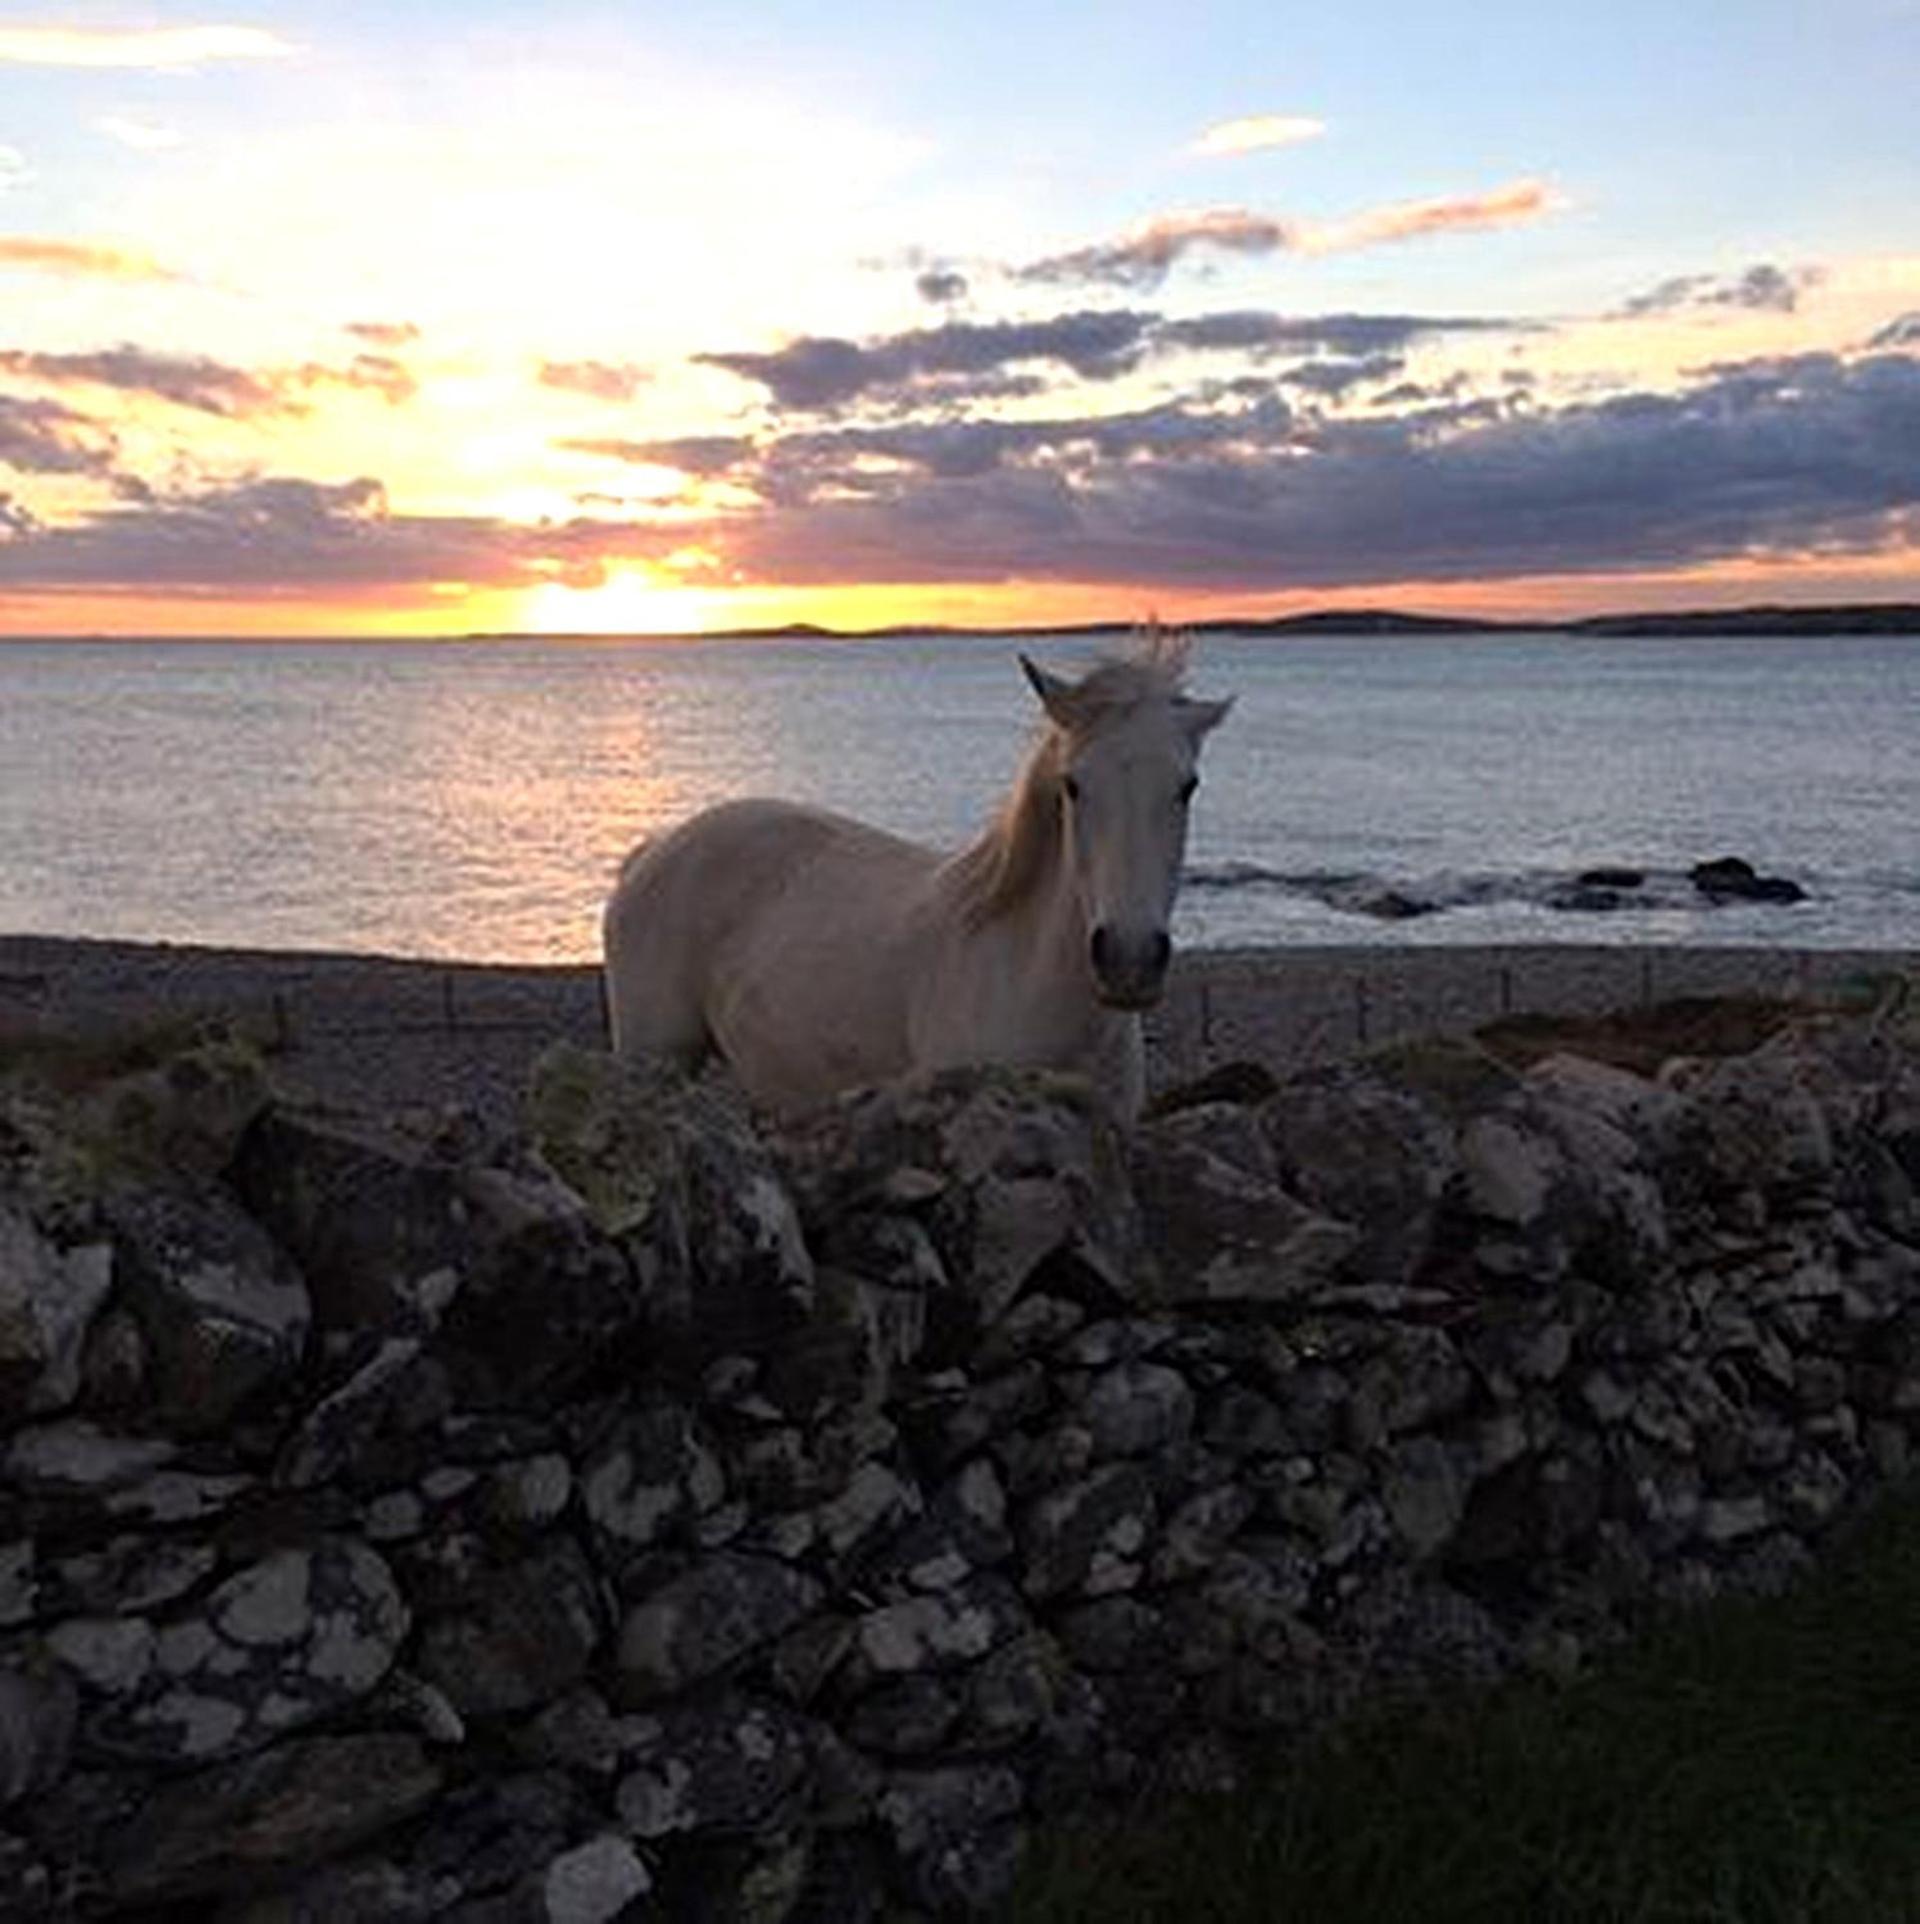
<point x="1752" y="1763"/>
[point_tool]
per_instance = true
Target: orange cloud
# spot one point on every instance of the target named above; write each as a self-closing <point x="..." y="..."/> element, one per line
<point x="41" y="255"/>
<point x="1518" y="201"/>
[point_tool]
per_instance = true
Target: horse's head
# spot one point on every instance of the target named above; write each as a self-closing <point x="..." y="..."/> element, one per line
<point x="1126" y="756"/>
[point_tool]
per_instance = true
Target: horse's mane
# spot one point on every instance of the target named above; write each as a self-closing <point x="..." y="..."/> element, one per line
<point x="1003" y="867"/>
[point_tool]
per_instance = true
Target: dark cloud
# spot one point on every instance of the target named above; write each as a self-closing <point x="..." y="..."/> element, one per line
<point x="690" y="453"/>
<point x="43" y="437"/>
<point x="1904" y="331"/>
<point x="598" y="380"/>
<point x="942" y="286"/>
<point x="208" y="386"/>
<point x="282" y="535"/>
<point x="1337" y="378"/>
<point x="186" y="380"/>
<point x="1770" y="457"/>
<point x="1141" y="259"/>
<point x="1763" y="287"/>
<point x="823" y="374"/>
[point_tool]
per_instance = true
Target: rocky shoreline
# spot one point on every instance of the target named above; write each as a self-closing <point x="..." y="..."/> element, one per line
<point x="625" y="1512"/>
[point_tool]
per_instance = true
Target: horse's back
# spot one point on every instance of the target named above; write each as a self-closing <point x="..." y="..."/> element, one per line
<point x="753" y="924"/>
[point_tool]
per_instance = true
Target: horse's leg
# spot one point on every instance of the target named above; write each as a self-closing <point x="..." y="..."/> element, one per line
<point x="652" y="1008"/>
<point x="1120" y="1068"/>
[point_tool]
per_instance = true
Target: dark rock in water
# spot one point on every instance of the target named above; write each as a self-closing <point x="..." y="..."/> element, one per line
<point x="1729" y="878"/>
<point x="1610" y="878"/>
<point x="1586" y="898"/>
<point x="1378" y="900"/>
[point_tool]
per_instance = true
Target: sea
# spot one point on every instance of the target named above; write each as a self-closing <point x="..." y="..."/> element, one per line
<point x="473" y="799"/>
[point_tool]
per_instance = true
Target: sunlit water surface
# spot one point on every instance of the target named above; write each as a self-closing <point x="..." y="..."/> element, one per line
<point x="473" y="799"/>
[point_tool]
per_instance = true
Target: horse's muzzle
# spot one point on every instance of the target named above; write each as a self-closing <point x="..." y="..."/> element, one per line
<point x="1129" y="970"/>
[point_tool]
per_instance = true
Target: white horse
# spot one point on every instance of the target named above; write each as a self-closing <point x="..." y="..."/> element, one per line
<point x="816" y="954"/>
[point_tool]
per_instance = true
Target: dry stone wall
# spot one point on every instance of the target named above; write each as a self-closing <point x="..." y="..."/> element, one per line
<point x="643" y="1516"/>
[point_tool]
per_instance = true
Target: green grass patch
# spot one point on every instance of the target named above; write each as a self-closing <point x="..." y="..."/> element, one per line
<point x="1756" y="1762"/>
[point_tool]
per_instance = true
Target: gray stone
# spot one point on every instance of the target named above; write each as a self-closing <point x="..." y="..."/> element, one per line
<point x="519" y="1636"/>
<point x="37" y="1711"/>
<point x="1137" y="1409"/>
<point x="1090" y="1536"/>
<point x="1221" y="1227"/>
<point x="727" y="1765"/>
<point x="724" y="1608"/>
<point x="224" y="1313"/>
<point x="229" y="1827"/>
<point x="48" y="1300"/>
<point x="937" y="1630"/>
<point x="292" y="1638"/>
<point x="955" y="1834"/>
<point x="594" y="1882"/>
<point x="653" y="1470"/>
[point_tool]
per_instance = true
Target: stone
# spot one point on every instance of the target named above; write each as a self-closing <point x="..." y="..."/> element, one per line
<point x="937" y="1630"/>
<point x="1013" y="1169"/>
<point x="519" y="1637"/>
<point x="38" y="1709"/>
<point x="1424" y="1493"/>
<point x="650" y="1471"/>
<point x="730" y="1764"/>
<point x="48" y="1299"/>
<point x="594" y="1882"/>
<point x="1362" y="1152"/>
<point x="234" y="1825"/>
<point x="955" y="1834"/>
<point x="1198" y="1532"/>
<point x="724" y="1608"/>
<point x="903" y="1717"/>
<point x="223" y="1312"/>
<point x="1137" y="1409"/>
<point x="283" y="1642"/>
<point x="680" y="1182"/>
<point x="1221" y="1227"/>
<point x="1090" y="1536"/>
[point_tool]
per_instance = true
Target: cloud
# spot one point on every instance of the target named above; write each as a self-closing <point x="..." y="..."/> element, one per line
<point x="1763" y="287"/>
<point x="186" y="380"/>
<point x="1142" y="257"/>
<point x="43" y="437"/>
<point x="1903" y="331"/>
<point x="49" y="256"/>
<point x="1252" y="132"/>
<point x="384" y="334"/>
<point x="1812" y="454"/>
<point x="941" y="285"/>
<point x="14" y="170"/>
<point x="823" y="371"/>
<point x="701" y="454"/>
<point x="204" y="385"/>
<point x="599" y="380"/>
<point x="145" y="136"/>
<point x="161" y="47"/>
<point x="1508" y="206"/>
<point x="1259" y="331"/>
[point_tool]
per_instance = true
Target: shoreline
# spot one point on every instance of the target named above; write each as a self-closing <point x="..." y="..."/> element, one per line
<point x="374" y="1031"/>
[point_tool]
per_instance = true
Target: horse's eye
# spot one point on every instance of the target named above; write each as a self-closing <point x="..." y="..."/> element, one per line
<point x="1071" y="788"/>
<point x="1188" y="786"/>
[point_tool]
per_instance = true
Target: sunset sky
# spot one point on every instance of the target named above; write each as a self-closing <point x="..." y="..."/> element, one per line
<point x="432" y="317"/>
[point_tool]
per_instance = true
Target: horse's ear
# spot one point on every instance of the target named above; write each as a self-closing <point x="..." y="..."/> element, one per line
<point x="1056" y="694"/>
<point x="1201" y="718"/>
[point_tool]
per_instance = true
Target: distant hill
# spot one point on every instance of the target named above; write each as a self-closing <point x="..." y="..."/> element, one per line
<point x="1846" y="618"/>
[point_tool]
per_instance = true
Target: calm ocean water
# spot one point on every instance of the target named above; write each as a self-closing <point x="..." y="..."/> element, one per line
<point x="473" y="799"/>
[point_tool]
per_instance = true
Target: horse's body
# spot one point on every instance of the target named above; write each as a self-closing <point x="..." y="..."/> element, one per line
<point x="815" y="954"/>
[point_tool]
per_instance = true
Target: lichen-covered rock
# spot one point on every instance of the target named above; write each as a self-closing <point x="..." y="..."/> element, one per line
<point x="48" y="1299"/>
<point x="224" y="1313"/>
<point x="289" y="1639"/>
<point x="955" y="1832"/>
<point x="680" y="1182"/>
<point x="230" y="1827"/>
<point x="728" y="1765"/>
<point x="646" y="1473"/>
<point x="1090" y="1536"/>
<point x="1221" y="1227"/>
<point x="700" y="1623"/>
<point x="1003" y="1169"/>
<point x="519" y="1636"/>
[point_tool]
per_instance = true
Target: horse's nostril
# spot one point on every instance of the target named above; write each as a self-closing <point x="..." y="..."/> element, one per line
<point x="1161" y="949"/>
<point x="1101" y="948"/>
